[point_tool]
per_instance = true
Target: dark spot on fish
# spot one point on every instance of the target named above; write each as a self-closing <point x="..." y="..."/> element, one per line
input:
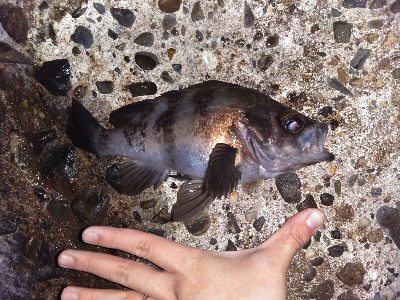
<point x="202" y="101"/>
<point x="166" y="121"/>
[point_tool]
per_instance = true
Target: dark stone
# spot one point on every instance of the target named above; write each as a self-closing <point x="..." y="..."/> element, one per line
<point x="137" y="216"/>
<point x="32" y="246"/>
<point x="199" y="35"/>
<point x="112" y="177"/>
<point x="4" y="187"/>
<point x="91" y="206"/>
<point x="82" y="36"/>
<point x="317" y="261"/>
<point x="231" y="246"/>
<point x="376" y="4"/>
<point x="352" y="273"/>
<point x="309" y="274"/>
<point x="326" y="199"/>
<point x="147" y="204"/>
<point x="197" y="12"/>
<point x="46" y="267"/>
<point x="344" y="213"/>
<point x="7" y="226"/>
<point x="127" y="59"/>
<point x="173" y="186"/>
<point x="375" y="192"/>
<point x="334" y="124"/>
<point x="79" y="12"/>
<point x="248" y="17"/>
<point x="15" y="22"/>
<point x="166" y="77"/>
<point x="121" y="47"/>
<point x="60" y="210"/>
<point x="44" y="5"/>
<point x="213" y="241"/>
<point x="308" y="202"/>
<point x="146" y="60"/>
<point x="395" y="7"/>
<point x="105" y="87"/>
<point x="79" y="92"/>
<point x="3" y="112"/>
<point x="342" y="31"/>
<point x="359" y="58"/>
<point x="76" y="51"/>
<point x="375" y="24"/>
<point x="396" y="73"/>
<point x="352" y="180"/>
<point x="40" y="193"/>
<point x="199" y="224"/>
<point x="112" y="34"/>
<point x="99" y="7"/>
<point x="233" y="226"/>
<point x="58" y="162"/>
<point x="308" y="244"/>
<point x="142" y="88"/>
<point x="388" y="217"/>
<point x="259" y="223"/>
<point x="125" y="17"/>
<point x="55" y="76"/>
<point x="338" y="187"/>
<point x="335" y="13"/>
<point x="145" y="39"/>
<point x="158" y="231"/>
<point x="288" y="185"/>
<point x="43" y="138"/>
<point x="272" y="41"/>
<point x="354" y="3"/>
<point x="264" y="62"/>
<point x="169" y="22"/>
<point x="9" y="55"/>
<point x="323" y="291"/>
<point x="326" y="111"/>
<point x="336" y="234"/>
<point x="169" y="6"/>
<point x="177" y="68"/>
<point x="336" y="250"/>
<point x="162" y="217"/>
<point x="337" y="85"/>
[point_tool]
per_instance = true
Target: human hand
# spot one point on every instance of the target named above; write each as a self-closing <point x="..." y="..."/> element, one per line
<point x="189" y="273"/>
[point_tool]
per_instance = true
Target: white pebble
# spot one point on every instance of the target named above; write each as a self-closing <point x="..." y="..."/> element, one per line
<point x="363" y="222"/>
<point x="251" y="216"/>
<point x="233" y="197"/>
<point x="309" y="254"/>
<point x="319" y="246"/>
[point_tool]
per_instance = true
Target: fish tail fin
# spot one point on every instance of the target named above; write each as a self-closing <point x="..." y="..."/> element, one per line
<point x="82" y="128"/>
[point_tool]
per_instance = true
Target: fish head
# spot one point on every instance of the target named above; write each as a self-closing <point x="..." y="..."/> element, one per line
<point x="282" y="139"/>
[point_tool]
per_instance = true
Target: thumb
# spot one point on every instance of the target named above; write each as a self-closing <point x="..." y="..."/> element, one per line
<point x="294" y="234"/>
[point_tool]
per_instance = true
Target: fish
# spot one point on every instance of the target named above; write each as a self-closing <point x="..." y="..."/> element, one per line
<point x="217" y="134"/>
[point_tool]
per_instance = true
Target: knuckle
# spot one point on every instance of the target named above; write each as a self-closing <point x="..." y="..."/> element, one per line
<point x="120" y="274"/>
<point x="296" y="237"/>
<point x="142" y="249"/>
<point x="88" y="265"/>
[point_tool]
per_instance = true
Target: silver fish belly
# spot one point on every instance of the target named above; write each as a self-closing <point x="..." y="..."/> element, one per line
<point x="216" y="133"/>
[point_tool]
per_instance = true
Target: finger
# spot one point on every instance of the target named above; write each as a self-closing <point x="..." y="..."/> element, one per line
<point x="132" y="274"/>
<point x="75" y="293"/>
<point x="294" y="234"/>
<point x="164" y="253"/>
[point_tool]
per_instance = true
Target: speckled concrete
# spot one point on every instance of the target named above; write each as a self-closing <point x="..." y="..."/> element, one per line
<point x="228" y="41"/>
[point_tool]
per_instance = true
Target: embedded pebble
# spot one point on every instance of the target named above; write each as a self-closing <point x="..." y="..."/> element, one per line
<point x="259" y="223"/>
<point x="309" y="274"/>
<point x="326" y="199"/>
<point x="323" y="291"/>
<point x="233" y="226"/>
<point x="309" y="202"/>
<point x="233" y="197"/>
<point x="360" y="58"/>
<point x="396" y="73"/>
<point x="348" y="295"/>
<point x="309" y="254"/>
<point x="352" y="180"/>
<point x="376" y="4"/>
<point x="335" y="13"/>
<point x="105" y="87"/>
<point x="395" y="7"/>
<point x="76" y="51"/>
<point x="58" y="162"/>
<point x="326" y="111"/>
<point x="338" y="187"/>
<point x="32" y="246"/>
<point x="389" y="217"/>
<point x="146" y="60"/>
<point x="213" y="241"/>
<point x="288" y="185"/>
<point x="46" y="266"/>
<point x="231" y="246"/>
<point x="112" y="34"/>
<point x="124" y="17"/>
<point x="363" y="222"/>
<point x="169" y="6"/>
<point x="40" y="193"/>
<point x="112" y="177"/>
<point x="142" y="88"/>
<point x="169" y="22"/>
<point x="177" y="68"/>
<point x="91" y="206"/>
<point x="15" y="22"/>
<point x="344" y="213"/>
<point x="264" y="62"/>
<point x="375" y="192"/>
<point x="60" y="210"/>
<point x="251" y="216"/>
<point x="342" y="31"/>
<point x="82" y="36"/>
<point x="166" y="77"/>
<point x="162" y="217"/>
<point x="390" y="39"/>
<point x="337" y="85"/>
<point x="158" y="231"/>
<point x="336" y="250"/>
<point x="354" y="3"/>
<point x="248" y="17"/>
<point x="147" y="204"/>
<point x="375" y="236"/>
<point x="272" y="41"/>
<point x="79" y="92"/>
<point x="336" y="234"/>
<point x="317" y="261"/>
<point x="79" y="12"/>
<point x="375" y="24"/>
<point x="55" y="76"/>
<point x="7" y="226"/>
<point x="342" y="75"/>
<point x="99" y="7"/>
<point x="9" y="55"/>
<point x="145" y="39"/>
<point x="197" y="12"/>
<point x="199" y="224"/>
<point x="351" y="274"/>
<point x="43" y="138"/>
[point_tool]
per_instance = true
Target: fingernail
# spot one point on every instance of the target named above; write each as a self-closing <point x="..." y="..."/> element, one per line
<point x="89" y="236"/>
<point x="68" y="294"/>
<point x="65" y="261"/>
<point x="315" y="219"/>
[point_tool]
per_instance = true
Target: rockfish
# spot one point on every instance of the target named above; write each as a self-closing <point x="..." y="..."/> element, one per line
<point x="218" y="134"/>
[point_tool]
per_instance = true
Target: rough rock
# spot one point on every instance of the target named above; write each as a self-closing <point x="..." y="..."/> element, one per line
<point x="55" y="76"/>
<point x="323" y="291"/>
<point x="199" y="224"/>
<point x="82" y="36"/>
<point x="15" y="22"/>
<point x="351" y="274"/>
<point x="288" y="185"/>
<point x="57" y="162"/>
<point x="9" y="55"/>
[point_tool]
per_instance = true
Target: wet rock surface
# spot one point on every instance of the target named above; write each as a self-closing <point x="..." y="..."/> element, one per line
<point x="55" y="76"/>
<point x="15" y="22"/>
<point x="142" y="88"/>
<point x="58" y="162"/>
<point x="9" y="55"/>
<point x="199" y="224"/>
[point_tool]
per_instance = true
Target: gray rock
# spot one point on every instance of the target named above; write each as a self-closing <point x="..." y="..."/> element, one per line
<point x="259" y="223"/>
<point x="396" y="73"/>
<point x="233" y="226"/>
<point x="288" y="185"/>
<point x="327" y="199"/>
<point x="99" y="7"/>
<point x="395" y="7"/>
<point x="354" y="3"/>
<point x="142" y="88"/>
<point x="248" y="17"/>
<point x="351" y="274"/>
<point x="376" y="4"/>
<point x="169" y="6"/>
<point x="337" y="85"/>
<point x="105" y="87"/>
<point x="336" y="250"/>
<point x="231" y="246"/>
<point x="323" y="291"/>
<point x="309" y="274"/>
<point x="360" y="58"/>
<point x="342" y="31"/>
<point x="145" y="39"/>
<point x="124" y="17"/>
<point x="308" y="202"/>
<point x="146" y="60"/>
<point x="82" y="36"/>
<point x="147" y="204"/>
<point x="169" y="22"/>
<point x="197" y="12"/>
<point x="55" y="76"/>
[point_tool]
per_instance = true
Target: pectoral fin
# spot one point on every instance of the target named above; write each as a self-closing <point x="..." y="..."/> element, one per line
<point x="135" y="176"/>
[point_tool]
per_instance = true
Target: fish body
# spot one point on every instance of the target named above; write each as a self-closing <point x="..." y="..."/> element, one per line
<point x="218" y="134"/>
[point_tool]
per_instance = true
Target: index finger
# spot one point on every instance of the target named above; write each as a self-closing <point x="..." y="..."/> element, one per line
<point x="162" y="252"/>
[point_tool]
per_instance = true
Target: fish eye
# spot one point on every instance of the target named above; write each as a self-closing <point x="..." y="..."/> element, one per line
<point x="293" y="123"/>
